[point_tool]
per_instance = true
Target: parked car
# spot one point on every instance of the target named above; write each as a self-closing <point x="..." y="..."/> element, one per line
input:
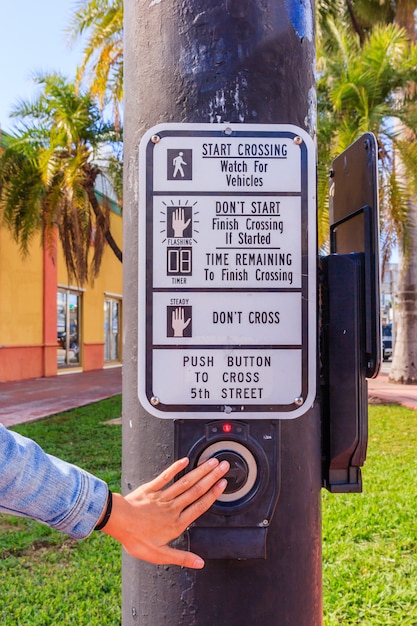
<point x="386" y="341"/>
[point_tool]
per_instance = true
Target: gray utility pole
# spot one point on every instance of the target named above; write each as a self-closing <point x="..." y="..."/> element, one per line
<point x="233" y="62"/>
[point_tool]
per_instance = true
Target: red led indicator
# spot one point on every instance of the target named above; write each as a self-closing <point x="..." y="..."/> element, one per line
<point x="227" y="428"/>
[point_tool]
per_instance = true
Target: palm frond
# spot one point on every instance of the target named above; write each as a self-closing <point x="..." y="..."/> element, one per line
<point x="365" y="85"/>
<point x="48" y="173"/>
<point x="100" y="22"/>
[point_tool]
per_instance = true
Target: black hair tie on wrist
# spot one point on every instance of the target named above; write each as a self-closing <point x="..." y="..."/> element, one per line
<point x="107" y="514"/>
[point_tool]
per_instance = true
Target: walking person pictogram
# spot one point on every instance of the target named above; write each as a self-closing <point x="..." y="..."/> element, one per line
<point x="178" y="162"/>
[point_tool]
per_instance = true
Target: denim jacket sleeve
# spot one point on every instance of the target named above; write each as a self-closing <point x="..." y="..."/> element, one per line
<point x="37" y="485"/>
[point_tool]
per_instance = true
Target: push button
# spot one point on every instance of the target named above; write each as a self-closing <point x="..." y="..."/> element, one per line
<point x="238" y="473"/>
<point x="243" y="473"/>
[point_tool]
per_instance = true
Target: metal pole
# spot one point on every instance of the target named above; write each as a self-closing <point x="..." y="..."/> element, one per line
<point x="208" y="61"/>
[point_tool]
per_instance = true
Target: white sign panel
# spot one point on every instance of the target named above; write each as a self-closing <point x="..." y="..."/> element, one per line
<point x="227" y="271"/>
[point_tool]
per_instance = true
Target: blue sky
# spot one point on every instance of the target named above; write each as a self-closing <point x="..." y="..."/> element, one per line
<point x="33" y="39"/>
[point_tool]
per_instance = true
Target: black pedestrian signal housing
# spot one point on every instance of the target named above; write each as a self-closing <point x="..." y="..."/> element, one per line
<point x="350" y="336"/>
<point x="236" y="525"/>
<point x="354" y="227"/>
<point x="345" y="392"/>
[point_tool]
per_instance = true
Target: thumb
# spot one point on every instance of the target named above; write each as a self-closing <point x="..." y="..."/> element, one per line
<point x="182" y="558"/>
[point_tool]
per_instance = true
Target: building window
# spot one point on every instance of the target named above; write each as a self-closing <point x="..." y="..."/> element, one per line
<point x="68" y="328"/>
<point x="112" y="316"/>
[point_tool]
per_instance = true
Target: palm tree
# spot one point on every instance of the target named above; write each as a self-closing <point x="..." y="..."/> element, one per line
<point x="100" y="22"/>
<point x="398" y="159"/>
<point x="360" y="89"/>
<point x="48" y="174"/>
<point x="404" y="361"/>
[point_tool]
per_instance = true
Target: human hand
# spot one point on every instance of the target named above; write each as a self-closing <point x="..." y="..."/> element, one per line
<point x="147" y="519"/>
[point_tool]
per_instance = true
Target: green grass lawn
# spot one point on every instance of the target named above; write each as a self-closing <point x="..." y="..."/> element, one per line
<point x="45" y="577"/>
<point x="369" y="539"/>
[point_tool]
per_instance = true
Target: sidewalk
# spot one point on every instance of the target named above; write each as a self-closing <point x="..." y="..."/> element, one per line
<point x="30" y="400"/>
<point x="380" y="390"/>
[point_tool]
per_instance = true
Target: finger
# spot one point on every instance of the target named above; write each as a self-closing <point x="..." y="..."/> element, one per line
<point x="196" y="491"/>
<point x="167" y="475"/>
<point x="200" y="506"/>
<point x="172" y="556"/>
<point x="191" y="479"/>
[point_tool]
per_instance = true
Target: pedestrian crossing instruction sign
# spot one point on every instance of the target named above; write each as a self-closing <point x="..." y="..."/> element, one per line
<point x="227" y="271"/>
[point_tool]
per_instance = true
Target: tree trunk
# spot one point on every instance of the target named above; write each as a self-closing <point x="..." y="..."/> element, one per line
<point x="102" y="222"/>
<point x="404" y="361"/>
<point x="404" y="16"/>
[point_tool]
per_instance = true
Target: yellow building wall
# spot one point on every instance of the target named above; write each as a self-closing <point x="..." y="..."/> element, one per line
<point x="21" y="305"/>
<point x="28" y="305"/>
<point x="21" y="310"/>
<point x="109" y="282"/>
<point x="28" y="326"/>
